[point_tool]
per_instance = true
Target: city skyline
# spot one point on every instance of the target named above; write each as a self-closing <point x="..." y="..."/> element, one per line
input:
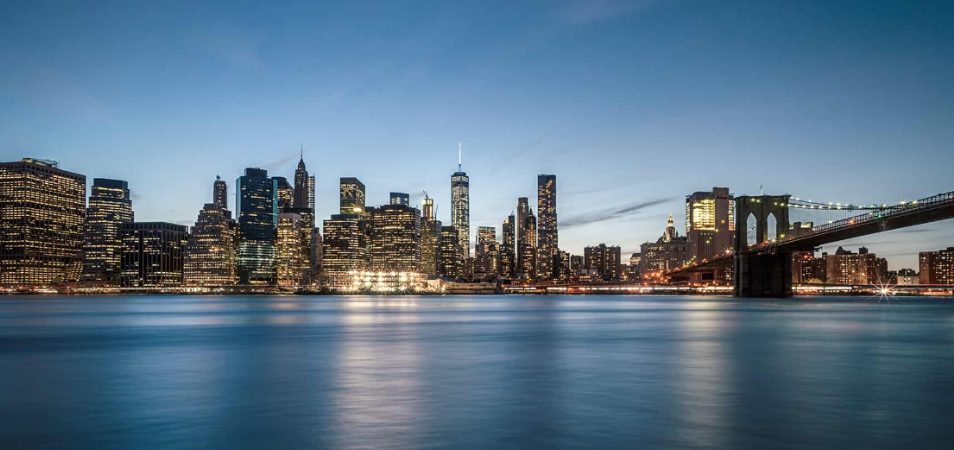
<point x="661" y="108"/>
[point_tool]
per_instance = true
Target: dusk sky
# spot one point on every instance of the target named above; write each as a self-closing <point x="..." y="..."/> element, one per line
<point x="628" y="103"/>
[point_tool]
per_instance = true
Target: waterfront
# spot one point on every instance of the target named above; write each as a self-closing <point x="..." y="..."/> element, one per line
<point x="475" y="372"/>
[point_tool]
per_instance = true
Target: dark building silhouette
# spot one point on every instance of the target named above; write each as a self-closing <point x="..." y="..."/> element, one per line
<point x="42" y="210"/>
<point x="152" y="254"/>
<point x="351" y="196"/>
<point x="450" y="258"/>
<point x="109" y="208"/>
<point x="508" y="259"/>
<point x="284" y="193"/>
<point x="527" y="249"/>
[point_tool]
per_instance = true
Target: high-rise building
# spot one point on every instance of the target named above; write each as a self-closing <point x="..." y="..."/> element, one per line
<point x="220" y="194"/>
<point x="460" y="206"/>
<point x="523" y="209"/>
<point x="351" y="196"/>
<point x="304" y="186"/>
<point x="710" y="224"/>
<point x="508" y="258"/>
<point x="293" y="248"/>
<point x="602" y="262"/>
<point x="284" y="193"/>
<point x="846" y="267"/>
<point x="257" y="218"/>
<point x="42" y="210"/>
<point x="430" y="238"/>
<point x="395" y="237"/>
<point x="563" y="270"/>
<point x="109" y="208"/>
<point x="547" y="236"/>
<point x="152" y="254"/>
<point x="400" y="198"/>
<point x="344" y="250"/>
<point x="450" y="258"/>
<point x="210" y="253"/>
<point x="487" y="253"/>
<point x="936" y="267"/>
<point x="669" y="252"/>
<point x="527" y="249"/>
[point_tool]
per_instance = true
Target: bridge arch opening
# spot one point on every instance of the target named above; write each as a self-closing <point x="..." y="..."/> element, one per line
<point x="751" y="230"/>
<point x="771" y="223"/>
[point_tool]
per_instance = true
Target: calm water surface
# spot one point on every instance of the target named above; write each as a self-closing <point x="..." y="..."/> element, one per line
<point x="475" y="372"/>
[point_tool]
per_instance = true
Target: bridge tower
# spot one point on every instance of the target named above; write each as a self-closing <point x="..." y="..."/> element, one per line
<point x="768" y="272"/>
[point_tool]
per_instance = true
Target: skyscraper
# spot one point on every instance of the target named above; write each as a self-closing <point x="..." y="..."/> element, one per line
<point x="710" y="223"/>
<point x="547" y="237"/>
<point x="284" y="193"/>
<point x="293" y="248"/>
<point x="450" y="259"/>
<point x="487" y="251"/>
<point x="257" y="218"/>
<point x="430" y="238"/>
<point x="508" y="263"/>
<point x="210" y="253"/>
<point x="395" y="236"/>
<point x="345" y="242"/>
<point x="220" y="194"/>
<point x="527" y="249"/>
<point x="304" y="186"/>
<point x="152" y="254"/>
<point x="109" y="208"/>
<point x="460" y="205"/>
<point x="351" y="196"/>
<point x="42" y="209"/>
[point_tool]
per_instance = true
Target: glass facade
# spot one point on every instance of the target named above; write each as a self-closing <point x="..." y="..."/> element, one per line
<point x="257" y="219"/>
<point x="547" y="236"/>
<point x="153" y="254"/>
<point x="210" y="254"/>
<point x="460" y="209"/>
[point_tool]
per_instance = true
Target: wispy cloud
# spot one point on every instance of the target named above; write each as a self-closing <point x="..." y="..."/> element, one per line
<point x="582" y="12"/>
<point x="278" y="163"/>
<point x="603" y="216"/>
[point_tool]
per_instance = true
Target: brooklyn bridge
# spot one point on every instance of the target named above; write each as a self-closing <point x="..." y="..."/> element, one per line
<point x="771" y="228"/>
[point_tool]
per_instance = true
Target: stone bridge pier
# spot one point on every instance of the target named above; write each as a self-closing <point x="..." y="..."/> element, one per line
<point x="762" y="274"/>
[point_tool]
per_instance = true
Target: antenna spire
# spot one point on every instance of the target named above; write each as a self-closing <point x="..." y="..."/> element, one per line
<point x="301" y="152"/>
<point x="460" y="159"/>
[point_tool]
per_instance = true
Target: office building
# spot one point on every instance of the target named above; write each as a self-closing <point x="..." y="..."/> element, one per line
<point x="937" y="267"/>
<point x="395" y="236"/>
<point x="284" y="193"/>
<point x="710" y="224"/>
<point x="152" y="254"/>
<point x="109" y="208"/>
<point x="430" y="238"/>
<point x="460" y="207"/>
<point x="257" y="218"/>
<point x="293" y="248"/>
<point x="210" y="254"/>
<point x="527" y="249"/>
<point x="344" y="250"/>
<point x="220" y="194"/>
<point x="508" y="256"/>
<point x="42" y="210"/>
<point x="351" y="196"/>
<point x="450" y="254"/>
<point x="547" y="236"/>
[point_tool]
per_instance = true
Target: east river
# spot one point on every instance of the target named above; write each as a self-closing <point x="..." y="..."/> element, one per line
<point x="462" y="372"/>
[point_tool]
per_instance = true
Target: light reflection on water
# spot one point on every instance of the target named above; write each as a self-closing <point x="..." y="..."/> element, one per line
<point x="474" y="372"/>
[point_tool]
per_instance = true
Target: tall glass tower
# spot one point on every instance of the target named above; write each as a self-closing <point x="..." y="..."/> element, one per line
<point x="460" y="205"/>
<point x="257" y="217"/>
<point x="547" y="240"/>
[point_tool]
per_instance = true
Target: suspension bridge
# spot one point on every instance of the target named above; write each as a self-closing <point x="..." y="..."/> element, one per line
<point x="770" y="228"/>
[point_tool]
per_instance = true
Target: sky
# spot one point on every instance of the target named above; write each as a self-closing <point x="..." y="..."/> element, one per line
<point x="632" y="104"/>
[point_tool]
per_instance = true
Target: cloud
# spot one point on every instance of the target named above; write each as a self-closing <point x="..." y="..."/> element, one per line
<point x="604" y="216"/>
<point x="583" y="12"/>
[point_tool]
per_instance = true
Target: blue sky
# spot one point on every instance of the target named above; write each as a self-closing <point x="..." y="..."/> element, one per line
<point x="628" y="102"/>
